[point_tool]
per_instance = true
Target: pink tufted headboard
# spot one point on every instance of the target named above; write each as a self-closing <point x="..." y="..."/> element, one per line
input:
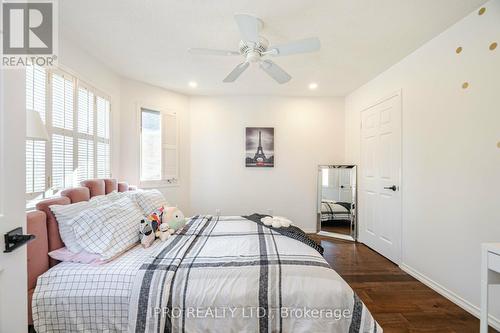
<point x="43" y="225"/>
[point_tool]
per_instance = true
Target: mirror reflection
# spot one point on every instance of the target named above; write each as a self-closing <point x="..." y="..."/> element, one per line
<point x="337" y="201"/>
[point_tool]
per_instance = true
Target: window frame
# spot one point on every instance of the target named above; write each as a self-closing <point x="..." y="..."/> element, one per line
<point x="163" y="182"/>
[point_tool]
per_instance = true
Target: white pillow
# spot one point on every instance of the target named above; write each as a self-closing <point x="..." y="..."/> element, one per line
<point x="64" y="214"/>
<point x="150" y="200"/>
<point x="115" y="195"/>
<point x="105" y="199"/>
<point x="99" y="200"/>
<point x="108" y="230"/>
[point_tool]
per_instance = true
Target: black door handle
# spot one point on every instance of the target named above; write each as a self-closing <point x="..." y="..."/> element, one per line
<point x="393" y="187"/>
<point x="15" y="238"/>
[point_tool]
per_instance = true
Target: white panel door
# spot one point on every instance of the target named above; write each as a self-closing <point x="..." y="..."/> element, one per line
<point x="13" y="280"/>
<point x="345" y="191"/>
<point x="380" y="170"/>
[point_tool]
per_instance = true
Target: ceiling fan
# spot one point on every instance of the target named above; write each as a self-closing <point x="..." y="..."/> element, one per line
<point x="255" y="48"/>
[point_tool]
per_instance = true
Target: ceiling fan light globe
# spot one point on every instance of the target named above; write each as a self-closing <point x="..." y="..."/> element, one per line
<point x="253" y="56"/>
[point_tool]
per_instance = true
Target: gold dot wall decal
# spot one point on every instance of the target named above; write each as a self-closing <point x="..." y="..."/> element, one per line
<point x="498" y="144"/>
<point x="458" y="50"/>
<point x="493" y="46"/>
<point x="482" y="11"/>
<point x="465" y="85"/>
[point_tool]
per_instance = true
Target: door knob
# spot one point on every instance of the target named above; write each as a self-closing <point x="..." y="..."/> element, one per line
<point x="393" y="188"/>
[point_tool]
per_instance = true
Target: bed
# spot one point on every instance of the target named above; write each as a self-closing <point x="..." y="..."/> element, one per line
<point x="218" y="273"/>
<point x="335" y="211"/>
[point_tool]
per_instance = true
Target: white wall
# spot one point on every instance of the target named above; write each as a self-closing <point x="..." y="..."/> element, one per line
<point x="133" y="94"/>
<point x="77" y="61"/>
<point x="451" y="164"/>
<point x="308" y="132"/>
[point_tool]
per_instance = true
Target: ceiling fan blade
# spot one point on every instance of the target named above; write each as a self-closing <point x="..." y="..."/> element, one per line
<point x="196" y="51"/>
<point x="235" y="73"/>
<point x="299" y="46"/>
<point x="249" y="27"/>
<point x="275" y="71"/>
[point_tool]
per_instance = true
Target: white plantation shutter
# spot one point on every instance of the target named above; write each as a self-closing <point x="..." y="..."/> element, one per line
<point x="103" y="157"/>
<point x="62" y="102"/>
<point x="29" y="166"/>
<point x="85" y="159"/>
<point x="102" y="117"/>
<point x="35" y="166"/>
<point x="78" y="122"/>
<point x="36" y="78"/>
<point x="103" y="136"/>
<point x="85" y="111"/>
<point x="170" y="147"/>
<point x="63" y="142"/>
<point x="62" y="161"/>
<point x="85" y="134"/>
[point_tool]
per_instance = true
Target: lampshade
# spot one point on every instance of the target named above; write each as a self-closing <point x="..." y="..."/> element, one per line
<point x="35" y="129"/>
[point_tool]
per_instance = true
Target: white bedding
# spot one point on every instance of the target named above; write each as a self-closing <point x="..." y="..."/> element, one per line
<point x="72" y="297"/>
<point x="217" y="263"/>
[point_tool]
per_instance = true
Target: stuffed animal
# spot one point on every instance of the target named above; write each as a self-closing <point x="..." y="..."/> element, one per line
<point x="150" y="227"/>
<point x="172" y="220"/>
<point x="276" y="221"/>
<point x="161" y="223"/>
<point x="147" y="233"/>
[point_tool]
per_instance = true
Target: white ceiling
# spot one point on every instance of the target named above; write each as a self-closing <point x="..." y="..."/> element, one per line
<point x="147" y="40"/>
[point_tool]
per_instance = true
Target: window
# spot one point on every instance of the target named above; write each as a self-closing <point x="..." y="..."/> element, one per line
<point x="77" y="117"/>
<point x="150" y="145"/>
<point x="324" y="178"/>
<point x="158" y="139"/>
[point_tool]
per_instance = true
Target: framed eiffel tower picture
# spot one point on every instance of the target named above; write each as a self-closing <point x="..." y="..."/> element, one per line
<point x="259" y="147"/>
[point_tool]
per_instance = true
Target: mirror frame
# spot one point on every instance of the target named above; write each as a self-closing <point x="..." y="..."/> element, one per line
<point x="354" y="223"/>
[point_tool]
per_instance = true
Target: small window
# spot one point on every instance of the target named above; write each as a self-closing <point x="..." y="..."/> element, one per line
<point x="324" y="177"/>
<point x="159" y="148"/>
<point x="151" y="144"/>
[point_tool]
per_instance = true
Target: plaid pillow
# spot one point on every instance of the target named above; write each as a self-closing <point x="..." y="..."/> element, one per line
<point x="64" y="214"/>
<point x="108" y="230"/>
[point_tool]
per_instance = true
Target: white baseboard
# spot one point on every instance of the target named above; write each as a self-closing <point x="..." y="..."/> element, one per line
<point x="461" y="302"/>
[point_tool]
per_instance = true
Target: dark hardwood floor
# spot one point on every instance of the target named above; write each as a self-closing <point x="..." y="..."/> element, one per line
<point x="397" y="301"/>
<point x="339" y="227"/>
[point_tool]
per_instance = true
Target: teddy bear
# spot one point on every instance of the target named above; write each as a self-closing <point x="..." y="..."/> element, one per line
<point x="276" y="221"/>
<point x="172" y="220"/>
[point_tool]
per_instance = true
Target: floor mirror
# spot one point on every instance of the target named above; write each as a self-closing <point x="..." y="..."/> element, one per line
<point x="336" y="208"/>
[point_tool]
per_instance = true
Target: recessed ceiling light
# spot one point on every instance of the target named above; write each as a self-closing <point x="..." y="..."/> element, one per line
<point x="313" y="86"/>
<point x="193" y="84"/>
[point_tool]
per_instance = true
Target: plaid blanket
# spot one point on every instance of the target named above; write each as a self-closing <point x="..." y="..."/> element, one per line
<point x="231" y="274"/>
<point x="292" y="232"/>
